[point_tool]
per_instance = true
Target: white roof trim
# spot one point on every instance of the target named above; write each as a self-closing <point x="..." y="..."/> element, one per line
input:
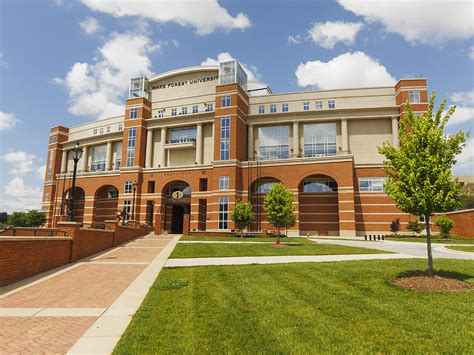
<point x="184" y="71"/>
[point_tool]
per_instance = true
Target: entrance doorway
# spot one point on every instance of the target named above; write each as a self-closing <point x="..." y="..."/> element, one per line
<point x="177" y="203"/>
<point x="177" y="220"/>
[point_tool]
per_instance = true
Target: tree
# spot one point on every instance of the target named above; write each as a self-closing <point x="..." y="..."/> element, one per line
<point x="418" y="172"/>
<point x="395" y="226"/>
<point x="445" y="225"/>
<point x="415" y="227"/>
<point x="32" y="218"/>
<point x="242" y="215"/>
<point x="278" y="206"/>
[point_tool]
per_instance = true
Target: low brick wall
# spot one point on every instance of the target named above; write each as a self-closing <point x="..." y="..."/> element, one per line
<point x="91" y="241"/>
<point x="31" y="232"/>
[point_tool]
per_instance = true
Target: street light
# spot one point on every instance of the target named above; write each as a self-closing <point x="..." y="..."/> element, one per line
<point x="133" y="205"/>
<point x="76" y="155"/>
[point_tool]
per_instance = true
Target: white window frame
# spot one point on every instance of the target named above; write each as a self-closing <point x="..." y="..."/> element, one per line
<point x="305" y="106"/>
<point x="273" y="108"/>
<point x="133" y="113"/>
<point x="226" y="101"/>
<point x="261" y="109"/>
<point x="223" y="183"/>
<point x="331" y="104"/>
<point x="414" y="96"/>
<point x="195" y="108"/>
<point x="223" y="222"/>
<point x="374" y="183"/>
<point x="318" y="105"/>
<point x="284" y="107"/>
<point x="128" y="187"/>
<point x="174" y="111"/>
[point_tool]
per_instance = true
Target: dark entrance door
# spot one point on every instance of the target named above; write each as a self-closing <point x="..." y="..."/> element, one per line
<point x="177" y="220"/>
<point x="149" y="213"/>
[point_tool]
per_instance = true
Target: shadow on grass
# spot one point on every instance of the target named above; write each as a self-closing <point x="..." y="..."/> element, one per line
<point x="442" y="273"/>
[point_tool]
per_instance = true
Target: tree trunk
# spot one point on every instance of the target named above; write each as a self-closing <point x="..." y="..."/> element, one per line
<point x="428" y="245"/>
<point x="278" y="237"/>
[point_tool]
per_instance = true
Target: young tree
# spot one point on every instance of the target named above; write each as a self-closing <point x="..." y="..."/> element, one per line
<point x="32" y="218"/>
<point x="445" y="224"/>
<point x="418" y="172"/>
<point x="415" y="227"/>
<point x="242" y="215"/>
<point x="278" y="206"/>
<point x="395" y="226"/>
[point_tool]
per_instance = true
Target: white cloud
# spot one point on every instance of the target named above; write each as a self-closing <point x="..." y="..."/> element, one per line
<point x="294" y="40"/>
<point x="90" y="25"/>
<point x="205" y="16"/>
<point x="17" y="196"/>
<point x="97" y="89"/>
<point x="328" y="34"/>
<point x="431" y="22"/>
<point x="20" y="162"/>
<point x="471" y="53"/>
<point x="251" y="70"/>
<point x="462" y="115"/>
<point x="3" y="63"/>
<point x="465" y="160"/>
<point x="345" y="71"/>
<point x="463" y="97"/>
<point x="7" y="121"/>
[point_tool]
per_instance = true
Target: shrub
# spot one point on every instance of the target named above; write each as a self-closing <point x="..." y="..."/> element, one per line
<point x="415" y="227"/>
<point x="395" y="226"/>
<point x="445" y="225"/>
<point x="32" y="218"/>
<point x="242" y="215"/>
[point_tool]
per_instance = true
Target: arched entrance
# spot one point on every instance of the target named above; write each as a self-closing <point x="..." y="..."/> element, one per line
<point x="105" y="204"/>
<point x="258" y="190"/>
<point x="177" y="203"/>
<point x="318" y="205"/>
<point x="79" y="196"/>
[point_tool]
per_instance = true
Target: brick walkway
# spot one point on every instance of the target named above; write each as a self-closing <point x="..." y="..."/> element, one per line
<point x="51" y="314"/>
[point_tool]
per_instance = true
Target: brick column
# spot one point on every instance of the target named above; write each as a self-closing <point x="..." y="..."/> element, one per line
<point x="186" y="223"/>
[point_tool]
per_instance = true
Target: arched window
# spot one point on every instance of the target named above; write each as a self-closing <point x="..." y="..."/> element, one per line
<point x="319" y="184"/>
<point x="262" y="186"/>
<point x="179" y="186"/>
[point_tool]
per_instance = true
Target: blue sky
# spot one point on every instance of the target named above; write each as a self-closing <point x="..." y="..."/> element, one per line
<point x="69" y="61"/>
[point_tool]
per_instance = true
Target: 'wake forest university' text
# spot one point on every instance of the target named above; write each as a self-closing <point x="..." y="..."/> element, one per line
<point x="185" y="82"/>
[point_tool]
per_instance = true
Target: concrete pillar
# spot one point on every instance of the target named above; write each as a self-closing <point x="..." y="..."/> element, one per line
<point x="250" y="142"/>
<point x="149" y="149"/>
<point x="344" y="136"/>
<point x="296" y="139"/>
<point x="64" y="162"/>
<point x="395" y="131"/>
<point x="162" y="147"/>
<point x="108" y="157"/>
<point x="84" y="159"/>
<point x="199" y="143"/>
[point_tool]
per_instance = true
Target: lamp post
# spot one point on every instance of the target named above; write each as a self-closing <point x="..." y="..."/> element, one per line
<point x="76" y="155"/>
<point x="133" y="204"/>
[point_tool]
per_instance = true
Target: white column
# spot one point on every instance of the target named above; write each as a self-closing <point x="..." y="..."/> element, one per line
<point x="395" y="131"/>
<point x="108" y="157"/>
<point x="149" y="149"/>
<point x="64" y="162"/>
<point x="199" y="143"/>
<point x="250" y="142"/>
<point x="85" y="158"/>
<point x="344" y="136"/>
<point x="162" y="147"/>
<point x="296" y="139"/>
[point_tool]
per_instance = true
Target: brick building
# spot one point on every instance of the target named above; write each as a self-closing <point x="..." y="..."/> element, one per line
<point x="214" y="137"/>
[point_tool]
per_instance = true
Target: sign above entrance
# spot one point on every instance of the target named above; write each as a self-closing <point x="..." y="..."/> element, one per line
<point x="177" y="195"/>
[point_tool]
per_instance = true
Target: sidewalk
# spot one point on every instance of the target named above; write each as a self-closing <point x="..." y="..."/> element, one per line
<point x="50" y="313"/>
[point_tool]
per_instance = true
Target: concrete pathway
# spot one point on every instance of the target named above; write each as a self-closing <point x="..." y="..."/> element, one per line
<point x="86" y="305"/>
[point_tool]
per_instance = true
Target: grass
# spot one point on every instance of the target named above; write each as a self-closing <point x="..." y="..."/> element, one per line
<point x="208" y="250"/>
<point x="435" y="239"/>
<point x="342" y="307"/>
<point x="462" y="248"/>
<point x="238" y="239"/>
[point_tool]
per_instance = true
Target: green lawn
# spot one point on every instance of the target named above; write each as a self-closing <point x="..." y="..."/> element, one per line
<point x="305" y="308"/>
<point x="207" y="250"/>
<point x="249" y="239"/>
<point x="433" y="240"/>
<point x="462" y="248"/>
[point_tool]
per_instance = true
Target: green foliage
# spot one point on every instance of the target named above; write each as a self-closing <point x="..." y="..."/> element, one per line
<point x="445" y="225"/>
<point x="242" y="215"/>
<point x="32" y="218"/>
<point x="415" y="227"/>
<point x="278" y="206"/>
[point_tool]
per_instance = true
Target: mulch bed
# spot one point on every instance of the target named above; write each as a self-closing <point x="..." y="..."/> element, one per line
<point x="432" y="284"/>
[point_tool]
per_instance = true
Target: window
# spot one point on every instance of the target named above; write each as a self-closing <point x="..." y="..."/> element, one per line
<point x="182" y="135"/>
<point x="94" y="131"/>
<point x="209" y="107"/>
<point x="151" y="187"/>
<point x="120" y="127"/>
<point x="127" y="205"/>
<point x="195" y="109"/>
<point x="306" y="106"/>
<point x="371" y="183"/>
<point x="128" y="188"/>
<point x="273" y="108"/>
<point x="133" y="113"/>
<point x="108" y="129"/>
<point x="53" y="139"/>
<point x="223" y="182"/>
<point x="132" y="133"/>
<point x="332" y="104"/>
<point x="203" y="184"/>
<point x="179" y="186"/>
<point x="284" y="107"/>
<point x="319" y="105"/>
<point x="225" y="138"/>
<point x="161" y="113"/>
<point x="118" y="156"/>
<point x="101" y="130"/>
<point x="46" y="196"/>
<point x="319" y="185"/>
<point x="98" y="158"/>
<point x="262" y="186"/>
<point x="261" y="109"/>
<point x="414" y="97"/>
<point x="319" y="139"/>
<point x="274" y="142"/>
<point x="174" y="111"/>
<point x="184" y="111"/>
<point x="112" y="193"/>
<point x="225" y="101"/>
<point x="49" y="174"/>
<point x="223" y="212"/>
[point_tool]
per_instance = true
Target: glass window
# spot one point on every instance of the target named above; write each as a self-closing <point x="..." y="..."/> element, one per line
<point x="209" y="107"/>
<point x="182" y="135"/>
<point x="261" y="109"/>
<point x="225" y="101"/>
<point x="223" y="212"/>
<point x="46" y="196"/>
<point x="306" y="106"/>
<point x="133" y="113"/>
<point x="332" y="104"/>
<point x="414" y="97"/>
<point x="223" y="182"/>
<point x="284" y="107"/>
<point x="161" y="113"/>
<point x="98" y="158"/>
<point x="273" y="142"/>
<point x="118" y="156"/>
<point x="108" y="129"/>
<point x="94" y="131"/>
<point x="127" y="205"/>
<point x="263" y="186"/>
<point x="184" y="111"/>
<point x="53" y="139"/>
<point x="195" y="109"/>
<point x="273" y="108"/>
<point x="371" y="183"/>
<point x="319" y="105"/>
<point x="132" y="132"/>
<point x="49" y="174"/>
<point x="319" y="139"/>
<point x="179" y="186"/>
<point x="225" y="138"/>
<point x="112" y="193"/>
<point x="120" y="127"/>
<point x="319" y="185"/>
<point x="101" y="130"/>
<point x="128" y="188"/>
<point x="174" y="111"/>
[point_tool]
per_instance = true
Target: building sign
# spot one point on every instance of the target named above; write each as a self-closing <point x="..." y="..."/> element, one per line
<point x="186" y="82"/>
